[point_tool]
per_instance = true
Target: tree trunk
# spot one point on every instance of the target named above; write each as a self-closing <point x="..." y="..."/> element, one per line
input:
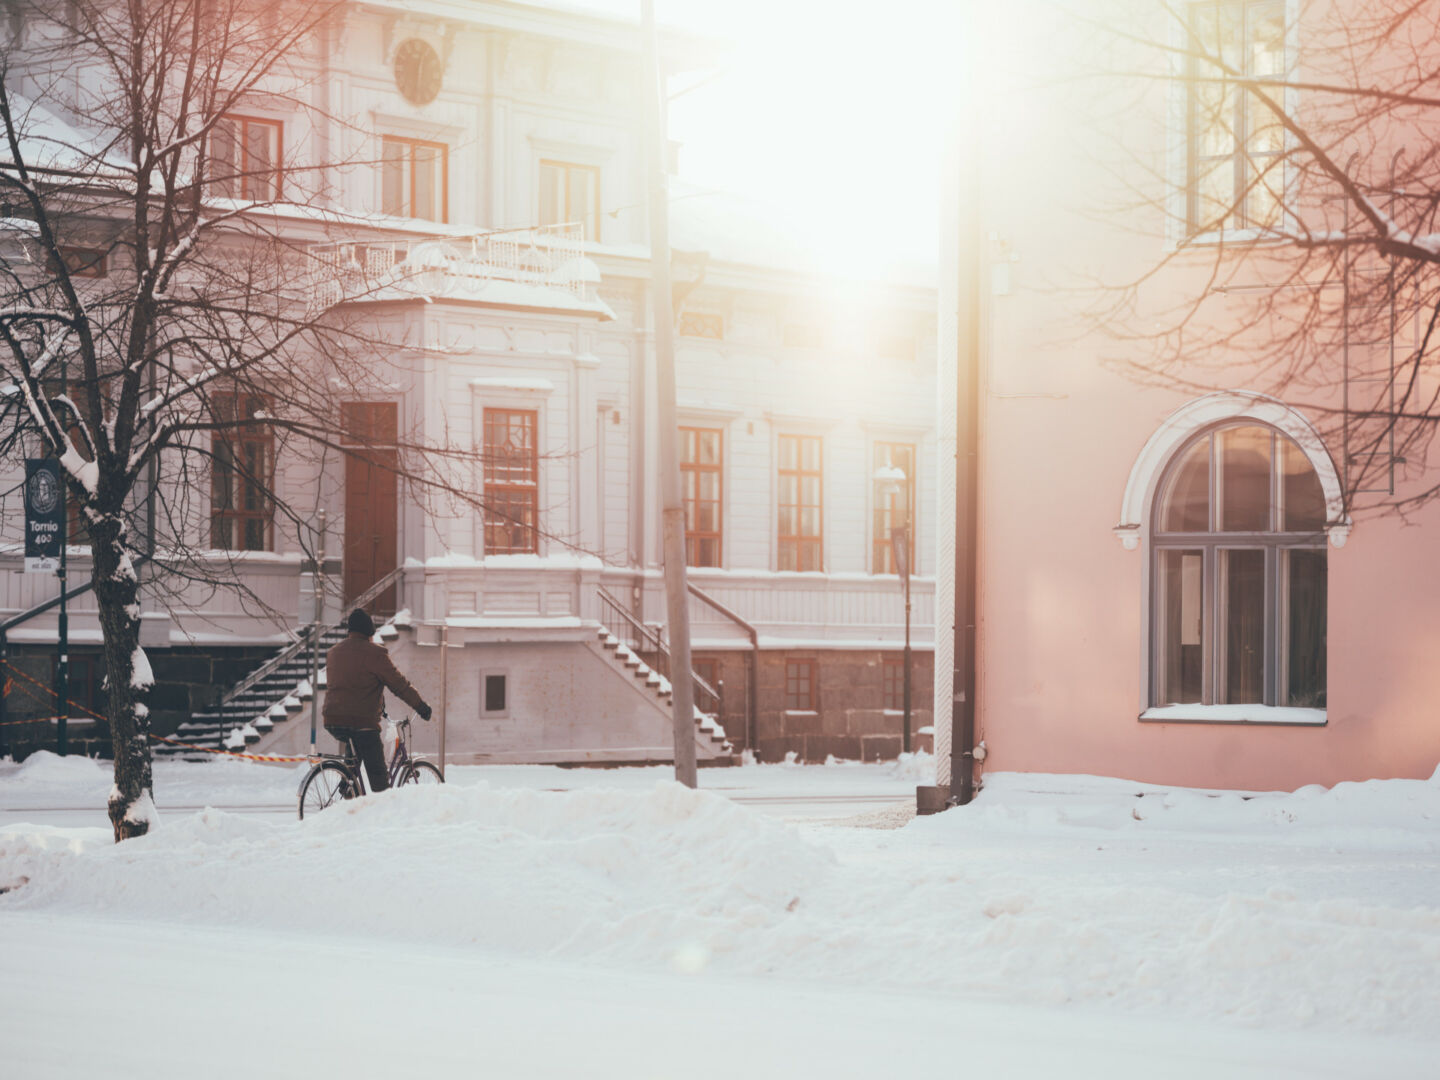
<point x="117" y="589"/>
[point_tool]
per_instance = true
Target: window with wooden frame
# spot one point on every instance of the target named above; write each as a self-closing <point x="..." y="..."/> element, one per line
<point x="892" y="683"/>
<point x="512" y="481"/>
<point x="414" y="178"/>
<point x="85" y="262"/>
<point x="1239" y="574"/>
<point x="568" y="193"/>
<point x="801" y="689"/>
<point x="801" y="508"/>
<point x="893" y="504"/>
<point x="245" y="158"/>
<point x="241" y="511"/>
<point x="702" y="324"/>
<point x="702" y="480"/>
<point x="1236" y="143"/>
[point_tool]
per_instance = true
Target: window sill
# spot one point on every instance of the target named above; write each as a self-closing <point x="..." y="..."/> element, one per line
<point x="1230" y="237"/>
<point x="1233" y="714"/>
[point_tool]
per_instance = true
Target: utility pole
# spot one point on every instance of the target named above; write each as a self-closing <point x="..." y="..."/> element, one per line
<point x="677" y="597"/>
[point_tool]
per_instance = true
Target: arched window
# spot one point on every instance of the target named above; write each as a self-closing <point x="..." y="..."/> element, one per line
<point x="1239" y="573"/>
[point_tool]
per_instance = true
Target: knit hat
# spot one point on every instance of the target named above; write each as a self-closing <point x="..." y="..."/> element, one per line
<point x="360" y="623"/>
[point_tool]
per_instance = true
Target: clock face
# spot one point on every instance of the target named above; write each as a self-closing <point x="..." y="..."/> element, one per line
<point x="417" y="71"/>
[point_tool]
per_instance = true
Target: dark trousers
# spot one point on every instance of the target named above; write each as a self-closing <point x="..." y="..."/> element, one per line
<point x="370" y="751"/>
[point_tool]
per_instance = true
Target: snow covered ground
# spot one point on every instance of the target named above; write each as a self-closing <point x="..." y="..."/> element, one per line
<point x="629" y="927"/>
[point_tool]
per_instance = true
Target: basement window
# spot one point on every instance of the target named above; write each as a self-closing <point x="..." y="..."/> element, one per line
<point x="494" y="694"/>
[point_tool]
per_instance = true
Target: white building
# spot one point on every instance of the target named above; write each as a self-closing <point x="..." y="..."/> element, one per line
<point x="497" y="144"/>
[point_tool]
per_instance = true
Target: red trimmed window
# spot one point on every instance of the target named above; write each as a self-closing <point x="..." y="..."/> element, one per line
<point x="569" y="193"/>
<point x="701" y="477"/>
<point x="893" y="507"/>
<point x="801" y="506"/>
<point x="245" y="157"/>
<point x="512" y="482"/>
<point x="241" y="512"/>
<point x="414" y="178"/>
<point x="800" y="689"/>
<point x="892" y="682"/>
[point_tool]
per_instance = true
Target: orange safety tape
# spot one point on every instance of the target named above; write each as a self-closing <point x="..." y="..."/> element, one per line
<point x="48" y="690"/>
<point x="232" y="753"/>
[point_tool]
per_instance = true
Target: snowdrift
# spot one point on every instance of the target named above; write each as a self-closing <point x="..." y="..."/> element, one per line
<point x="1048" y="890"/>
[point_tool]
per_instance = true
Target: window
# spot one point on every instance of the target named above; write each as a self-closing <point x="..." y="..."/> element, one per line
<point x="493" y="694"/>
<point x="800" y="691"/>
<point x="1239" y="583"/>
<point x="245" y="157"/>
<point x="512" y="473"/>
<point x="1235" y="141"/>
<point x="892" y="683"/>
<point x="801" y="510"/>
<point x="701" y="467"/>
<point x="240" y="508"/>
<point x="414" y="179"/>
<point x="893" y="503"/>
<point x="85" y="262"/>
<point x="569" y="193"/>
<point x="702" y="324"/>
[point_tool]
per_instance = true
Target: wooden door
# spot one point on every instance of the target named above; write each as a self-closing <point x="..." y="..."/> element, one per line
<point x="372" y="504"/>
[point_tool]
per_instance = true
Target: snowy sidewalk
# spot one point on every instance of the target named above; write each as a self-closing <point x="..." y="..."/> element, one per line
<point x="1187" y="931"/>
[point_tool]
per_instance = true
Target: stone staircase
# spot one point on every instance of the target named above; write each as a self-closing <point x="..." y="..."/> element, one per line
<point x="281" y="691"/>
<point x="710" y="740"/>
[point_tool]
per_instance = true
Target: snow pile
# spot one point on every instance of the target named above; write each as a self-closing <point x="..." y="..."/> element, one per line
<point x="657" y="877"/>
<point x="1048" y="890"/>
<point x="1372" y="814"/>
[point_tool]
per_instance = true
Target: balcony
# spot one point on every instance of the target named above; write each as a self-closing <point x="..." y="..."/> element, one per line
<point x="541" y="268"/>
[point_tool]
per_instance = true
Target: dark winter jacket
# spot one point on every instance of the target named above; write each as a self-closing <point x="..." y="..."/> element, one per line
<point x="357" y="672"/>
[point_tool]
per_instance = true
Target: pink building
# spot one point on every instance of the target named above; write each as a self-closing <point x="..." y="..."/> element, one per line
<point x="1196" y="560"/>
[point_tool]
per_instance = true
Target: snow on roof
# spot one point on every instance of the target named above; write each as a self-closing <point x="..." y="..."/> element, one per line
<point x="48" y="141"/>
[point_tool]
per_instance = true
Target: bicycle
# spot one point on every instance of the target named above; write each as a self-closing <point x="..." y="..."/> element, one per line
<point x="340" y="776"/>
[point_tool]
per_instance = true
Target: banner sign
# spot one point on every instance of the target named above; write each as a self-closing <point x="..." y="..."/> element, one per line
<point x="44" y="515"/>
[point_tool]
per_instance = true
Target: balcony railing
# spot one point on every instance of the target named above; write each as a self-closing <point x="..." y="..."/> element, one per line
<point x="460" y="267"/>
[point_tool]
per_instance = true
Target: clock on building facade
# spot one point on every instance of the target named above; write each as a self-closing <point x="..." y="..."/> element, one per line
<point x="417" y="71"/>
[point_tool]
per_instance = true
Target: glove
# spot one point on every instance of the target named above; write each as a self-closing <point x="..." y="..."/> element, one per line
<point x="425" y="712"/>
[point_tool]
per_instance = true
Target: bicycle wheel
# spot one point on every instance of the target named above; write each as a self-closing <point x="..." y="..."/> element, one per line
<point x="328" y="782"/>
<point x="422" y="772"/>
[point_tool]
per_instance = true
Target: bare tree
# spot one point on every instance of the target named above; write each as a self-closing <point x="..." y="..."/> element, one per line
<point x="172" y="323"/>
<point x="1306" y="213"/>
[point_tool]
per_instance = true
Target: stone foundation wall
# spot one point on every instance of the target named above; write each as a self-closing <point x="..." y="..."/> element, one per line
<point x="849" y="721"/>
<point x="186" y="680"/>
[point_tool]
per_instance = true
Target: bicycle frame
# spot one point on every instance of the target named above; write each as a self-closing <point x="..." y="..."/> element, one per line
<point x="399" y="760"/>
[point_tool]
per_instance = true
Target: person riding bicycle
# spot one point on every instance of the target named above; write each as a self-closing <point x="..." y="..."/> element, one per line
<point x="357" y="673"/>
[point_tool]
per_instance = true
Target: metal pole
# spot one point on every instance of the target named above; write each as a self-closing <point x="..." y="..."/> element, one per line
<point x="62" y="688"/>
<point x="4" y="686"/>
<point x="677" y="600"/>
<point x="445" y="689"/>
<point x="318" y="585"/>
<point x="905" y="732"/>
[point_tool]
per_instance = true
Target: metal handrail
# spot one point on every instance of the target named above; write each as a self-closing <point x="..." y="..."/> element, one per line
<point x="752" y="704"/>
<point x="657" y="645"/>
<point x="309" y="636"/>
